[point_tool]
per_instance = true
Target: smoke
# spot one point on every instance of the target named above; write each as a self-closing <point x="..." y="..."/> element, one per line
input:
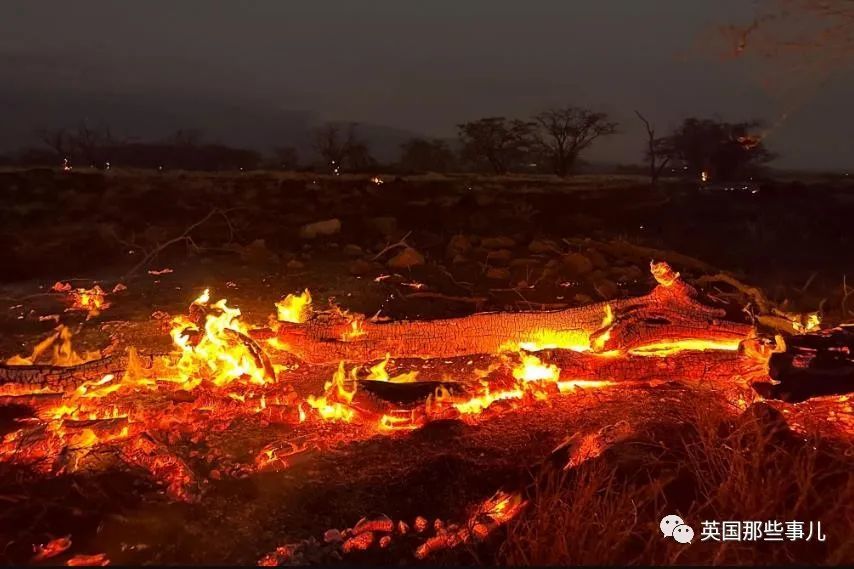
<point x="793" y="48"/>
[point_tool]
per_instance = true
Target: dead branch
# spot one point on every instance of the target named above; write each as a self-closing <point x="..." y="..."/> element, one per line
<point x="751" y="292"/>
<point x="440" y="296"/>
<point x="183" y="237"/>
<point x="401" y="243"/>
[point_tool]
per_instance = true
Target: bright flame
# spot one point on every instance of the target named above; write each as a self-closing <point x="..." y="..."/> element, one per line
<point x="379" y="373"/>
<point x="61" y="351"/>
<point x="666" y="348"/>
<point x="813" y="321"/>
<point x="356" y="329"/>
<point x="221" y="354"/>
<point x="532" y="369"/>
<point x="575" y="340"/>
<point x="334" y="404"/>
<point x="294" y="308"/>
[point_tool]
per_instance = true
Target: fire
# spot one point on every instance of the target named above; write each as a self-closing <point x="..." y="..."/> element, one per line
<point x="294" y="308"/>
<point x="334" y="404"/>
<point x="221" y="354"/>
<point x="356" y="329"/>
<point x="399" y="420"/>
<point x="474" y="405"/>
<point x="58" y="344"/>
<point x="573" y="384"/>
<point x="575" y="340"/>
<point x="502" y="507"/>
<point x="379" y="373"/>
<point x="92" y="300"/>
<point x="664" y="275"/>
<point x="812" y="322"/>
<point x="704" y="176"/>
<point x="51" y="548"/>
<point x="666" y="348"/>
<point x="533" y="369"/>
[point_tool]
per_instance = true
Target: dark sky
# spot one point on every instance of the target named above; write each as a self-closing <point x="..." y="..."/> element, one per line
<point x="414" y="66"/>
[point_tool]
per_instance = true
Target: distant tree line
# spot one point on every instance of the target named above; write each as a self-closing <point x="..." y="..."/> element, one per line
<point x="551" y="141"/>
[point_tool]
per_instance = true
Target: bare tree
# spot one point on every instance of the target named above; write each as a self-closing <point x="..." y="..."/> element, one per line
<point x="57" y="140"/>
<point x="721" y="150"/>
<point x="564" y="133"/>
<point x="187" y="137"/>
<point x="287" y="157"/>
<point x="654" y="153"/>
<point x="422" y="155"/>
<point x="496" y="140"/>
<point x="90" y="142"/>
<point x="333" y="145"/>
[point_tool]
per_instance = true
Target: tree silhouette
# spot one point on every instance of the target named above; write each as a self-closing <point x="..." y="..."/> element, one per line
<point x="423" y="155"/>
<point x="563" y="133"/>
<point x="655" y="153"/>
<point x="722" y="150"/>
<point x="499" y="142"/>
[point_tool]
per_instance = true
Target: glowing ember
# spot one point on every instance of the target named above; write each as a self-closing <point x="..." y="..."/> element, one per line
<point x="667" y="348"/>
<point x="355" y="330"/>
<point x="92" y="300"/>
<point x="96" y="560"/>
<point x="664" y="275"/>
<point x="51" y="548"/>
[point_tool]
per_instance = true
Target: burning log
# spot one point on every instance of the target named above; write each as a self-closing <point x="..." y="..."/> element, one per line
<point x="667" y="316"/>
<point x="719" y="367"/>
<point x="72" y="376"/>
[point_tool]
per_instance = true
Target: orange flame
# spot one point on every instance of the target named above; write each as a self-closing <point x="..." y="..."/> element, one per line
<point x="294" y="308"/>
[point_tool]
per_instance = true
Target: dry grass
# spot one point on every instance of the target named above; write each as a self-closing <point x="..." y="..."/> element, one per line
<point x="606" y="511"/>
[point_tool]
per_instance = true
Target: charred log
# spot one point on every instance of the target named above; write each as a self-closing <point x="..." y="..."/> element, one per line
<point x="670" y="313"/>
<point x="820" y="363"/>
<point x="68" y="377"/>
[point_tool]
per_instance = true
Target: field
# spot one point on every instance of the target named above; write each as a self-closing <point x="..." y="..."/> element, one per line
<point x="245" y="471"/>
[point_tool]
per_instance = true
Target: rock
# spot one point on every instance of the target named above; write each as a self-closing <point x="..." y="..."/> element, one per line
<point x="762" y="421"/>
<point x="483" y="199"/>
<point x="582" y="298"/>
<point x="333" y="536"/>
<point x="501" y="256"/>
<point x="406" y="259"/>
<point x="295" y="265"/>
<point x="318" y="228"/>
<point x="607" y="289"/>
<point x="384" y="225"/>
<point x="257" y="253"/>
<point x="627" y="274"/>
<point x="458" y="245"/>
<point x="598" y="259"/>
<point x="352" y="250"/>
<point x="498" y="273"/>
<point x="539" y="246"/>
<point x="524" y="262"/>
<point x="360" y="267"/>
<point x="501" y="242"/>
<point x="577" y="264"/>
